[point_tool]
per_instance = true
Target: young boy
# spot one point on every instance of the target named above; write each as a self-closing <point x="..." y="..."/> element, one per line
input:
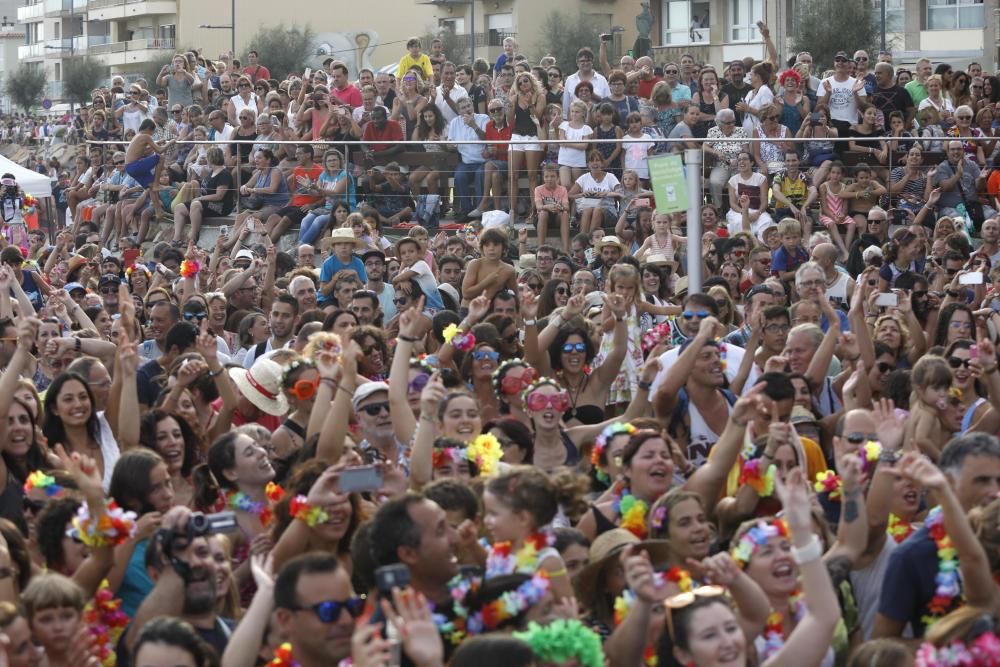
<point x="488" y="274"/>
<point x="437" y="56"/>
<point x="507" y="57"/>
<point x="392" y="197"/>
<point x="411" y="266"/>
<point x="552" y="201"/>
<point x="143" y="160"/>
<point x="415" y="57"/>
<point x="340" y="262"/>
<point x="791" y="255"/>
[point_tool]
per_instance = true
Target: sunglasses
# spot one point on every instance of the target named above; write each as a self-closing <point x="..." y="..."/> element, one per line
<point x="401" y="301"/>
<point x="108" y="290"/>
<point x="31" y="505"/>
<point x="886" y="367"/>
<point x="189" y="317"/>
<point x="375" y="409"/>
<point x="562" y="291"/>
<point x="418" y="383"/>
<point x="700" y="314"/>
<point x="857" y="438"/>
<point x="480" y="355"/>
<point x="567" y="348"/>
<point x="304" y="390"/>
<point x="512" y="385"/>
<point x="957" y="362"/>
<point x="538" y="401"/>
<point x="329" y="611"/>
<point x="683" y="600"/>
<point x="671" y="71"/>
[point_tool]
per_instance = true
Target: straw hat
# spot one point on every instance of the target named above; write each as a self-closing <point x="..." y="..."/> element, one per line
<point x="681" y="287"/>
<point x="261" y="385"/>
<point x="610" y="240"/>
<point x="607" y="547"/>
<point x="346" y="235"/>
<point x="656" y="259"/>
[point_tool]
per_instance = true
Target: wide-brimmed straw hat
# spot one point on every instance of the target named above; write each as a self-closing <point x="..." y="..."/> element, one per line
<point x="346" y="235"/>
<point x="261" y="385"/>
<point x="607" y="547"/>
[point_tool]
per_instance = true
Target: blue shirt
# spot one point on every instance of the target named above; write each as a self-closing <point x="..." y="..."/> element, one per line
<point x="782" y="261"/>
<point x="330" y="268"/>
<point x="136" y="585"/>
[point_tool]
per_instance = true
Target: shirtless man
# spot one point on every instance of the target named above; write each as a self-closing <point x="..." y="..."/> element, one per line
<point x="144" y="163"/>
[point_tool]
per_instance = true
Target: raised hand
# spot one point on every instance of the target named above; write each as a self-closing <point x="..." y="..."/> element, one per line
<point x="478" y="308"/>
<point x="128" y="355"/>
<point x="639" y="574"/>
<point x="719" y="569"/>
<point x="190" y="370"/>
<point x="432" y="394"/>
<point x="752" y="406"/>
<point x="409" y="319"/>
<point x="794" y="498"/>
<point x="27" y="332"/>
<point x="920" y="470"/>
<point x="529" y="304"/>
<point x="83" y="469"/>
<point x="412" y="616"/>
<point x="888" y="426"/>
<point x="369" y="648"/>
<point x="262" y="569"/>
<point x="616" y="303"/>
<point x="574" y="306"/>
<point x="207" y="345"/>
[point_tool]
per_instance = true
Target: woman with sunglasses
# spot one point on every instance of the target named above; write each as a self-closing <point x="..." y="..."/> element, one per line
<point x="968" y="377"/>
<point x="510" y="380"/>
<point x="554" y="295"/>
<point x="960" y="91"/>
<point x="243" y="100"/>
<point x="457" y="417"/>
<point x="299" y="382"/>
<point x="477" y="368"/>
<point x="133" y="112"/>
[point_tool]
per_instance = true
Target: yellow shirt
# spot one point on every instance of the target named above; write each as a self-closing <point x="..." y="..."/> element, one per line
<point x="409" y="61"/>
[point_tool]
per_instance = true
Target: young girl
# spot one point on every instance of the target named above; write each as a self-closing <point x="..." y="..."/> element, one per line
<point x="662" y="241"/>
<point x="573" y="156"/>
<point x="931" y="379"/>
<point x="518" y="507"/>
<point x="608" y="130"/>
<point x="336" y="184"/>
<point x="833" y="211"/>
<point x="595" y="193"/>
<point x="636" y="147"/>
<point x="634" y="226"/>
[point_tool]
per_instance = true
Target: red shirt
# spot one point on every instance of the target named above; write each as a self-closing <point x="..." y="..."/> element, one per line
<point x="350" y="96"/>
<point x="301" y="194"/>
<point x="257" y="72"/>
<point x="392" y="131"/>
<point x="646" y="87"/>
<point x="498" y="140"/>
<point x="270" y="422"/>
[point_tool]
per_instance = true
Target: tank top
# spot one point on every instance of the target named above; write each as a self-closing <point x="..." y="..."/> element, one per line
<point x="239" y="105"/>
<point x="278" y="198"/>
<point x="179" y="92"/>
<point x="607" y="147"/>
<point x="837" y="292"/>
<point x="701" y="436"/>
<point x="700" y="128"/>
<point x="523" y="124"/>
<point x="665" y="249"/>
<point x="970" y="413"/>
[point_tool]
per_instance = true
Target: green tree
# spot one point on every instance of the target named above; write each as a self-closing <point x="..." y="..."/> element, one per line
<point x="152" y="69"/>
<point x="282" y="50"/>
<point x="824" y="27"/>
<point x="456" y="47"/>
<point x="564" y="34"/>
<point x="80" y="76"/>
<point x="25" y="86"/>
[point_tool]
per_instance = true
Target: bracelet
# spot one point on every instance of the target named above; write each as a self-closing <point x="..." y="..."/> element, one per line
<point x="77" y="344"/>
<point x="529" y="323"/>
<point x="329" y="382"/>
<point x="809" y="553"/>
<point x="215" y="374"/>
<point x="645" y="386"/>
<point x="344" y="389"/>
<point x="408" y="339"/>
<point x="308" y="514"/>
<point x="426" y="418"/>
<point x="738" y="422"/>
<point x="112" y="529"/>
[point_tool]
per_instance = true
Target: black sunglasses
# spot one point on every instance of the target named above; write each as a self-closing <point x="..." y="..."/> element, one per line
<point x="885" y="367"/>
<point x="32" y="505"/>
<point x="374" y="409"/>
<point x="859" y="438"/>
<point x="199" y="316"/>
<point x="957" y="362"/>
<point x="329" y="610"/>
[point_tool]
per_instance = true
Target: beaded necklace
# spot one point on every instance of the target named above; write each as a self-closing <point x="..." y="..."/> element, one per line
<point x="774" y="631"/>
<point x="238" y="501"/>
<point x="632" y="512"/>
<point x="948" y="588"/>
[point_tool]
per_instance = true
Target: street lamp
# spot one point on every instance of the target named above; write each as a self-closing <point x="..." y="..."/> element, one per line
<point x="231" y="27"/>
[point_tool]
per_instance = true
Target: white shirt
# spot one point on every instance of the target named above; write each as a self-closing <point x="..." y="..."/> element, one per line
<point x="601" y="88"/>
<point x="842" y="104"/>
<point x="457" y="93"/>
<point x="734" y="357"/>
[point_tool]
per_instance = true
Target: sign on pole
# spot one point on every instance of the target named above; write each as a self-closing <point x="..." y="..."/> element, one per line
<point x="46" y="104"/>
<point x="666" y="172"/>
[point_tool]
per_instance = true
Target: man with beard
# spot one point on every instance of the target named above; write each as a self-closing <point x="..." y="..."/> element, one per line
<point x="182" y="568"/>
<point x="284" y="310"/>
<point x="365" y="306"/>
<point x="736" y="88"/>
<point x="610" y="249"/>
<point x="374" y="261"/>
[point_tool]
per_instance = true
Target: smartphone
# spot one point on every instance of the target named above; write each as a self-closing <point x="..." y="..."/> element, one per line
<point x="307" y="73"/>
<point x="975" y="278"/>
<point x="973" y="351"/>
<point x="605" y="37"/>
<point x="361" y="479"/>
<point x="641" y="201"/>
<point x="814" y="118"/>
<point x="392" y="576"/>
<point x="887" y="299"/>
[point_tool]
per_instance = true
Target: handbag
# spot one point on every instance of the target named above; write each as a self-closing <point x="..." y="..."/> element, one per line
<point x="252" y="203"/>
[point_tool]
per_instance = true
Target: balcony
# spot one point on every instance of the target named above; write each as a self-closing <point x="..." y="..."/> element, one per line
<point x="30" y="13"/>
<point x="31" y="51"/>
<point x="135" y="51"/>
<point x="112" y="10"/>
<point x="57" y="8"/>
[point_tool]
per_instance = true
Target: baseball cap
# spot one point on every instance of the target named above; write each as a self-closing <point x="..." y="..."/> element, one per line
<point x="70" y="287"/>
<point x="373" y="253"/>
<point x="243" y="254"/>
<point x="366" y="390"/>
<point x="107" y="279"/>
<point x="840" y="55"/>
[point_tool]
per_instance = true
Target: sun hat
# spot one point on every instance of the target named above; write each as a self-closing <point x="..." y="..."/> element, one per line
<point x="610" y="240"/>
<point x="243" y="253"/>
<point x="656" y="259"/>
<point x="346" y="235"/>
<point x="681" y="287"/>
<point x="607" y="547"/>
<point x="365" y="390"/>
<point x="261" y="385"/>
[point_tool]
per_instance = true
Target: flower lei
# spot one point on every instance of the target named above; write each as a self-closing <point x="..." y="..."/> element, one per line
<point x="758" y="476"/>
<point x="829" y="482"/>
<point x="899" y="528"/>
<point x="41" y="480"/>
<point x="238" y="501"/>
<point x="501" y="559"/>
<point x="601" y="444"/>
<point x="564" y="641"/>
<point x="459" y="340"/>
<point x="110" y="529"/>
<point x="774" y="630"/>
<point x="983" y="652"/>
<point x="311" y="515"/>
<point x="28" y="204"/>
<point x="948" y="587"/>
<point x="756" y="537"/>
<point x="106" y="622"/>
<point x="190" y="268"/>
<point x="283" y="657"/>
<point x="632" y="511"/>
<point x="485" y="451"/>
<point x="652" y="338"/>
<point x="492" y="614"/>
<point x="676" y="575"/>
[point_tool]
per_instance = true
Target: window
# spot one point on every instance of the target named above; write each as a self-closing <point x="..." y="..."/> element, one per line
<point x="955" y="14"/>
<point x="499" y="26"/>
<point x="893" y="14"/>
<point x="454" y="26"/>
<point x="743" y="17"/>
<point x="685" y="22"/>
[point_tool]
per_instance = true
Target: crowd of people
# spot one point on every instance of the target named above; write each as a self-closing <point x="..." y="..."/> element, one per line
<point x="457" y="443"/>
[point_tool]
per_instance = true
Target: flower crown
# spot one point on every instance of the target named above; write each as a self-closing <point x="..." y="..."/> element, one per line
<point x="293" y="366"/>
<point x="492" y="614"/>
<point x="756" y="537"/>
<point x="422" y="363"/>
<point x="42" y="480"/>
<point x="601" y="444"/>
<point x="984" y="652"/>
<point x="564" y="641"/>
<point x="542" y="381"/>
<point x="485" y="451"/>
<point x="502" y="369"/>
<point x="137" y="267"/>
<point x="322" y="341"/>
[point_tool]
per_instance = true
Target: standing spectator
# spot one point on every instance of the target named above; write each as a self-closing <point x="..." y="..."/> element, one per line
<point x="255" y="70"/>
<point x="342" y="91"/>
<point x="586" y="72"/>
<point x="917" y="87"/>
<point x="842" y="94"/>
<point x="180" y="83"/>
<point x="468" y="126"/>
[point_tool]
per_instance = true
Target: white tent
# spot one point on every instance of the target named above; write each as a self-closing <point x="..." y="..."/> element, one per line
<point x="31" y="182"/>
